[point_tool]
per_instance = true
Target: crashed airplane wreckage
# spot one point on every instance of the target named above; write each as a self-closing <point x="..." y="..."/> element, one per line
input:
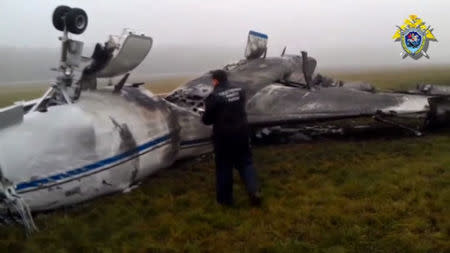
<point x="79" y="141"/>
<point x="285" y="98"/>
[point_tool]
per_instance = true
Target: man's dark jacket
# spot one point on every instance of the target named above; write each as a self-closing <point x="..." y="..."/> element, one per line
<point x="225" y="110"/>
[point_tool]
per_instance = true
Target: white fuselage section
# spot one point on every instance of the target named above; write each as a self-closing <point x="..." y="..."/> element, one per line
<point x="104" y="143"/>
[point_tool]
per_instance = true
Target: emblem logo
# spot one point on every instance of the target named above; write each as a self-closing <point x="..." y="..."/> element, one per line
<point x="414" y="36"/>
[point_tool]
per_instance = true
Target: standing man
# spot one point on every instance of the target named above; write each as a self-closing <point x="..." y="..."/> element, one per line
<point x="225" y="110"/>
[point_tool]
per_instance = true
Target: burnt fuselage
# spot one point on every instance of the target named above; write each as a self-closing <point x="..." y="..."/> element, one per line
<point x="104" y="143"/>
<point x="277" y="94"/>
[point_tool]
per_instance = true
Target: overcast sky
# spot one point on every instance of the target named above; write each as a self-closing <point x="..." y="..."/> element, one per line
<point x="312" y="25"/>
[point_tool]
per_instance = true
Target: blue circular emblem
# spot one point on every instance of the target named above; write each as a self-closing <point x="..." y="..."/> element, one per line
<point x="413" y="40"/>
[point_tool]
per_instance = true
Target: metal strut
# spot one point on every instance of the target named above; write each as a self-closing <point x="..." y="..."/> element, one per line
<point x="18" y="206"/>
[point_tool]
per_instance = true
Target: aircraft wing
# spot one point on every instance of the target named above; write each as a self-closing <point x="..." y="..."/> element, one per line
<point x="277" y="104"/>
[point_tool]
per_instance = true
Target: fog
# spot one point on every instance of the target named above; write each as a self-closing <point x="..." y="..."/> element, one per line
<point x="197" y="35"/>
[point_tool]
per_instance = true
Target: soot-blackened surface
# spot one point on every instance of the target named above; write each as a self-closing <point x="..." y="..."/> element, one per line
<point x="153" y="103"/>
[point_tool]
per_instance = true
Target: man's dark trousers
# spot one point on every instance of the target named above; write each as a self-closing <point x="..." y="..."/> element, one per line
<point x="233" y="152"/>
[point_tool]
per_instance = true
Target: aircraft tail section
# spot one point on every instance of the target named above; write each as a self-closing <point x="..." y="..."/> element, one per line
<point x="256" y="45"/>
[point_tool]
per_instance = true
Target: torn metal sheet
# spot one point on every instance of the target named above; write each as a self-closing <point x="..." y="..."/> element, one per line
<point x="278" y="95"/>
<point x="73" y="144"/>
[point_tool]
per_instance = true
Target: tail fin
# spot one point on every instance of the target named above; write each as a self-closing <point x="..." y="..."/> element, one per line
<point x="256" y="45"/>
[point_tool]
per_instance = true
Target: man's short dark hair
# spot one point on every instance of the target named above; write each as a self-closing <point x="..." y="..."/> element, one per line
<point x="219" y="75"/>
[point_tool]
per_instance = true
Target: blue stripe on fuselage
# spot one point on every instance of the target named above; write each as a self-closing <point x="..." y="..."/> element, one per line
<point x="257" y="34"/>
<point x="91" y="167"/>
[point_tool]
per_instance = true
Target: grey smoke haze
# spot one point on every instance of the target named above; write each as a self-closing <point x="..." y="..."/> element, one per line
<point x="197" y="35"/>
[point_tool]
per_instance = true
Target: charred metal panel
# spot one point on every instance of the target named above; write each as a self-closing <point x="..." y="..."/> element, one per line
<point x="153" y="104"/>
<point x="432" y="89"/>
<point x="439" y="114"/>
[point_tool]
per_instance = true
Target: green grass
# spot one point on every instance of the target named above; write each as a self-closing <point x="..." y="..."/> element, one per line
<point x="398" y="78"/>
<point x="378" y="195"/>
<point x="166" y="85"/>
<point x="11" y="94"/>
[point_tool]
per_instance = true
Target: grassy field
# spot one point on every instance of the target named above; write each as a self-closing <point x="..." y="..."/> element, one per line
<point x="398" y="78"/>
<point x="11" y="94"/>
<point x="166" y="85"/>
<point x="377" y="195"/>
